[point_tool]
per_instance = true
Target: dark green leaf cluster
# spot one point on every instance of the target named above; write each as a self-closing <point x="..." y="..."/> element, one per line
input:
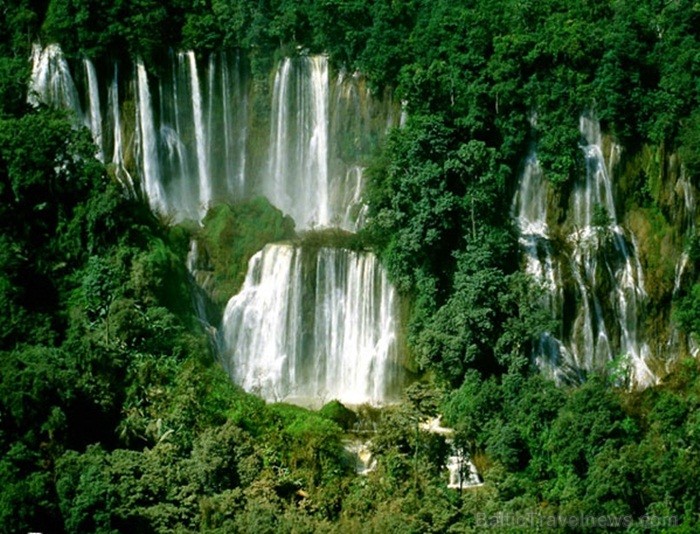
<point x="589" y="451"/>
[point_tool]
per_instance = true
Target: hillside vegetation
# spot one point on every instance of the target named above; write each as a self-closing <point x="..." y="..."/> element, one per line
<point x="115" y="415"/>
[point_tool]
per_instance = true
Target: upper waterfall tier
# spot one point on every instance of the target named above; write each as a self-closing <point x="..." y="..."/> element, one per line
<point x="606" y="296"/>
<point x="314" y="325"/>
<point x="51" y="81"/>
<point x="201" y="132"/>
<point x="299" y="142"/>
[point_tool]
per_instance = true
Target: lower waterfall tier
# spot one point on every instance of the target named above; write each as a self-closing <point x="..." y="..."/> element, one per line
<point x="314" y="325"/>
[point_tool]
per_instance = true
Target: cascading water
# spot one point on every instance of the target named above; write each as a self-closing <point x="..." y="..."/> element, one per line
<point x="530" y="211"/>
<point x="150" y="166"/>
<point x="205" y="193"/>
<point x="356" y="209"/>
<point x="596" y="220"/>
<point x="121" y="172"/>
<point x="192" y="134"/>
<point x="181" y="139"/>
<point x="608" y="279"/>
<point x="226" y="92"/>
<point x="679" y="343"/>
<point x="297" y="181"/>
<point x="462" y="471"/>
<point x="51" y="81"/>
<point x="94" y="119"/>
<point x="307" y="324"/>
<point x="314" y="325"/>
<point x="689" y="227"/>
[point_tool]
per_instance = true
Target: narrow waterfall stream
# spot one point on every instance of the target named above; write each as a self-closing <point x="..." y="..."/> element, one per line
<point x="121" y="172"/>
<point x="689" y="205"/>
<point x="530" y="212"/>
<point x="146" y="133"/>
<point x="94" y="119"/>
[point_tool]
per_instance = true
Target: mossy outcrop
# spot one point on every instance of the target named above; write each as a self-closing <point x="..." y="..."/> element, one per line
<point x="230" y="235"/>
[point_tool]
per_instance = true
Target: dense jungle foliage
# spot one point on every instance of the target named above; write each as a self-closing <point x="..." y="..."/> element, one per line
<point x="114" y="414"/>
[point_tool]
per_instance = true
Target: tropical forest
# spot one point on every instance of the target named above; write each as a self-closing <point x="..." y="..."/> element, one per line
<point x="349" y="266"/>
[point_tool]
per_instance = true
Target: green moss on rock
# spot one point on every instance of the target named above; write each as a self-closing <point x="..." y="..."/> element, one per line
<point x="339" y="414"/>
<point x="231" y="235"/>
<point x="658" y="250"/>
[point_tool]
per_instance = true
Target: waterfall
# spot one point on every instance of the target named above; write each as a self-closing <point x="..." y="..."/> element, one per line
<point x="94" y="120"/>
<point x="462" y="472"/>
<point x="51" y="81"/>
<point x="235" y="139"/>
<point x="152" y="185"/>
<point x="308" y="324"/>
<point x="355" y="325"/>
<point x="278" y="155"/>
<point x="531" y="205"/>
<point x="190" y="134"/>
<point x="361" y="454"/>
<point x="689" y="227"/>
<point x="298" y="178"/>
<point x="356" y="210"/>
<point x="200" y="140"/>
<point x="348" y="120"/>
<point x="679" y="343"/>
<point x="317" y="162"/>
<point x="312" y="325"/>
<point x="607" y="276"/>
<point x="121" y="172"/>
<point x="261" y="324"/>
<point x="530" y="212"/>
<point x="591" y="199"/>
